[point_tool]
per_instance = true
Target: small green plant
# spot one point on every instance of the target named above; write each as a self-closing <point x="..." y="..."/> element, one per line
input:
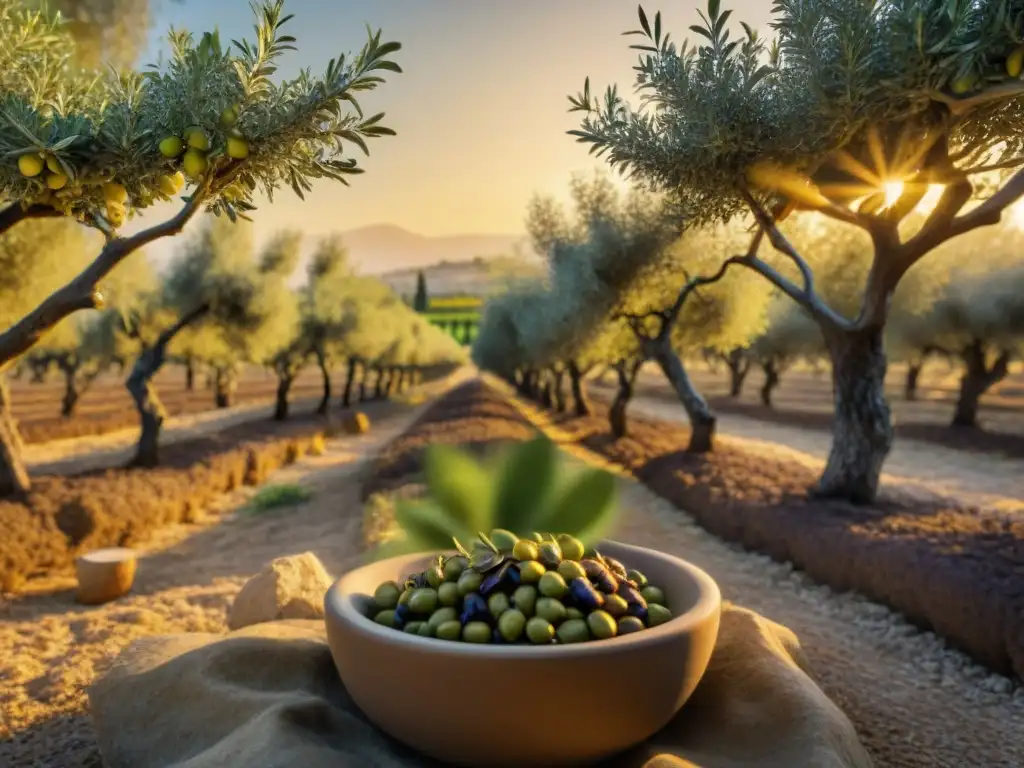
<point x="524" y="489"/>
<point x="273" y="496"/>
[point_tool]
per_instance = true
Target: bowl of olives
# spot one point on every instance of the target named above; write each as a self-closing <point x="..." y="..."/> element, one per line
<point x="529" y="652"/>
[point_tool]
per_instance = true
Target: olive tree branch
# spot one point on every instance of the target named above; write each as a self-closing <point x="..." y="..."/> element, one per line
<point x="961" y="106"/>
<point x="806" y="297"/>
<point x="81" y="293"/>
<point x="15" y="213"/>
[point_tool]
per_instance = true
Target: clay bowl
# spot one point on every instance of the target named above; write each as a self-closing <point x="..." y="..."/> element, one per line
<point x="552" y="705"/>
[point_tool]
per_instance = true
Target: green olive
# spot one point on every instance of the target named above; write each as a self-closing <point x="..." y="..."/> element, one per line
<point x="403" y="599"/>
<point x="551" y="584"/>
<point x="454" y="567"/>
<point x="498" y="603"/>
<point x="574" y="613"/>
<point x="570" y="569"/>
<point x="442" y="615"/>
<point x="450" y="630"/>
<point x="550" y="610"/>
<point x="476" y="632"/>
<point x="573" y="631"/>
<point x="448" y="593"/>
<point x="629" y="624"/>
<point x="387" y="618"/>
<point x="435" y="576"/>
<point x="550" y="554"/>
<point x="657" y="614"/>
<point x="504" y="540"/>
<point x="539" y="631"/>
<point x="653" y="595"/>
<point x="469" y="581"/>
<point x="413" y="627"/>
<point x="426" y="630"/>
<point x="602" y="625"/>
<point x="525" y="550"/>
<point x="531" y="572"/>
<point x="511" y="624"/>
<point x="637" y="578"/>
<point x="572" y="548"/>
<point x="386" y="595"/>
<point x="423" y="601"/>
<point x="525" y="599"/>
<point x="537" y="537"/>
<point x="615" y="605"/>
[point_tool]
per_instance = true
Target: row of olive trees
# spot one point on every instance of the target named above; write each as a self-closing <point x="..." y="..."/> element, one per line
<point x="855" y="111"/>
<point x="222" y="305"/>
<point x="966" y="304"/>
<point x="209" y="123"/>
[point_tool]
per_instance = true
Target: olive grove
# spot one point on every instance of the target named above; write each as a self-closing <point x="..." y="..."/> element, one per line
<point x="211" y="122"/>
<point x="858" y="125"/>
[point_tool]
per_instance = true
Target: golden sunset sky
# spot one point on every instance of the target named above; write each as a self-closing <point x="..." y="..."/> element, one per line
<point x="481" y="110"/>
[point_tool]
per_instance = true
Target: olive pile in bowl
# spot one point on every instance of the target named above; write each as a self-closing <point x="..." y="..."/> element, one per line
<point x="524" y="591"/>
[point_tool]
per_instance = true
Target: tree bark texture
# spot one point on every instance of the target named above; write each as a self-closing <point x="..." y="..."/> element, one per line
<point x="702" y="420"/>
<point x="581" y="402"/>
<point x="14" y="479"/>
<point x="617" y="421"/>
<point x="979" y="375"/>
<point x="325" y="375"/>
<point x="862" y="433"/>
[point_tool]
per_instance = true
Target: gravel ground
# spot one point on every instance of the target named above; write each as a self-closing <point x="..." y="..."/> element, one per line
<point x="914" y="701"/>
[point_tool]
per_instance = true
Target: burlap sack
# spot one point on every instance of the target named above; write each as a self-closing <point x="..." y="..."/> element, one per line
<point x="269" y="696"/>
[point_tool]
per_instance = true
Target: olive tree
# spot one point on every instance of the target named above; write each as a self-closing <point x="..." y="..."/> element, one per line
<point x="327" y="275"/>
<point x="210" y="122"/>
<point x="790" y="335"/>
<point x="855" y="111"/>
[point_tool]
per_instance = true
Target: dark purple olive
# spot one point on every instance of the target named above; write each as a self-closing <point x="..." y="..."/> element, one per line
<point x="513" y="577"/>
<point x="631" y="596"/>
<point x="638" y="611"/>
<point x="474" y="608"/>
<point x="592" y="567"/>
<point x="584" y="595"/>
<point x="600" y="576"/>
<point x="402" y="613"/>
<point x="495" y="578"/>
<point x="618" y="569"/>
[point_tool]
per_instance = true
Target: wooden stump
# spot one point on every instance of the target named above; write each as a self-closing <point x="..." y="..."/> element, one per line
<point x="105" y="575"/>
<point x="357" y="423"/>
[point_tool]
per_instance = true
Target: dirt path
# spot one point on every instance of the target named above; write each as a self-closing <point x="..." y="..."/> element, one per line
<point x="51" y="648"/>
<point x="922" y="468"/>
<point x="915" y="702"/>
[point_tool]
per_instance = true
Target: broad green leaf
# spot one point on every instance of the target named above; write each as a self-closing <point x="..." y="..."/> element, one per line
<point x="586" y="508"/>
<point x="524" y="485"/>
<point x="461" y="486"/>
<point x="426" y="523"/>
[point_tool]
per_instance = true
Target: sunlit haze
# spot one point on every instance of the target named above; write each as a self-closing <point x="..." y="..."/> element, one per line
<point x="481" y="110"/>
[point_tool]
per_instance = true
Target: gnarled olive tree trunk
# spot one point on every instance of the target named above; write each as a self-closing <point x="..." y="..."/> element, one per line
<point x="581" y="402"/>
<point x="364" y="375"/>
<point x="190" y="375"/>
<point x="862" y="432"/>
<point x="979" y="375"/>
<point x="14" y="478"/>
<point x="285" y="379"/>
<point x="738" y="363"/>
<point x="325" y="375"/>
<point x="627" y="372"/>
<point x="225" y="384"/>
<point x="702" y="420"/>
<point x="380" y="377"/>
<point x="913" y="376"/>
<point x="350" y="380"/>
<point x="772" y="369"/>
<point x="558" y="389"/>
<point x="140" y="386"/>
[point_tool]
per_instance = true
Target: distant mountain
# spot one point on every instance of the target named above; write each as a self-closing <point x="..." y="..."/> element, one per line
<point x="385" y="247"/>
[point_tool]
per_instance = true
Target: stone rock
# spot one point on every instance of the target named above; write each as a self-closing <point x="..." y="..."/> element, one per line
<point x="291" y="587"/>
<point x="105" y="575"/>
